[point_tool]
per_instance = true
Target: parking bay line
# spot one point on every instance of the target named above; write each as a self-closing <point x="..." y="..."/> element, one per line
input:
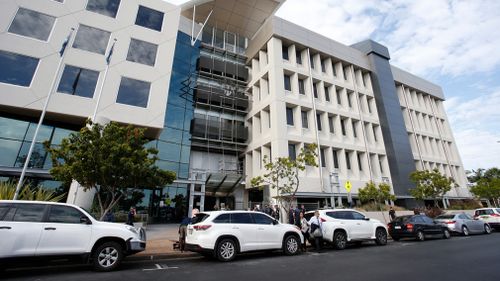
<point x="160" y="267"/>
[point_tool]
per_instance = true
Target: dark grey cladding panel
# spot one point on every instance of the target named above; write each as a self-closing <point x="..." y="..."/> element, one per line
<point x="397" y="144"/>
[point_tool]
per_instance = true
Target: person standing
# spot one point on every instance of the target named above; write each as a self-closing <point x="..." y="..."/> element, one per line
<point x="131" y="216"/>
<point x="316" y="230"/>
<point x="304" y="228"/>
<point x="291" y="215"/>
<point x="275" y="213"/>
<point x="392" y="213"/>
<point x="183" y="228"/>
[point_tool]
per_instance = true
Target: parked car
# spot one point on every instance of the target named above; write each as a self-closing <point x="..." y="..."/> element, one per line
<point x="341" y="226"/>
<point x="417" y="226"/>
<point x="48" y="231"/>
<point x="489" y="215"/>
<point x="464" y="224"/>
<point x="224" y="234"/>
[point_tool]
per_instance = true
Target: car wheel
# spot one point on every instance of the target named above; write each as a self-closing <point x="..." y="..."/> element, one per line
<point x="107" y="256"/>
<point x="380" y="237"/>
<point x="465" y="231"/>
<point x="339" y="240"/>
<point x="291" y="245"/>
<point x="420" y="235"/>
<point x="226" y="250"/>
<point x="446" y="233"/>
<point x="396" y="238"/>
<point x="487" y="229"/>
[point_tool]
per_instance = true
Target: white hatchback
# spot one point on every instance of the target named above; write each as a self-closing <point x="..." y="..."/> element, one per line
<point x="224" y="234"/>
<point x="341" y="226"/>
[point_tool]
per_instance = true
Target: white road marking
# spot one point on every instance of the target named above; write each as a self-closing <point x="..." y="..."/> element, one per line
<point x="160" y="267"/>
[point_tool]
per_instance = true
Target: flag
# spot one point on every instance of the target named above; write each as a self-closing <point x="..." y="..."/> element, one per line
<point x="75" y="83"/>
<point x="108" y="58"/>
<point x="65" y="43"/>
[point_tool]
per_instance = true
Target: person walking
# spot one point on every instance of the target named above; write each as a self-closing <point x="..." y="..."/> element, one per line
<point x="317" y="230"/>
<point x="304" y="228"/>
<point x="183" y="228"/>
<point x="392" y="213"/>
<point x="131" y="216"/>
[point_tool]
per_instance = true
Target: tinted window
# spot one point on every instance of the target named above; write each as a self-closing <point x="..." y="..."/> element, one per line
<point x="402" y="219"/>
<point x="462" y="216"/>
<point x="357" y="216"/>
<point x="104" y="7"/>
<point x="149" y="18"/>
<point x="142" y="52"/>
<point x="91" y="39"/>
<point x="241" y="218"/>
<point x="133" y="92"/>
<point x="78" y="81"/>
<point x="427" y="220"/>
<point x="445" y="217"/>
<point x="64" y="214"/>
<point x="498" y="210"/>
<point x="199" y="218"/>
<point x="262" y="219"/>
<point x="29" y="212"/>
<point x="417" y="219"/>
<point x="335" y="215"/>
<point x="17" y="69"/>
<point x="32" y="24"/>
<point x="224" y="218"/>
<point x="3" y="210"/>
<point x="288" y="86"/>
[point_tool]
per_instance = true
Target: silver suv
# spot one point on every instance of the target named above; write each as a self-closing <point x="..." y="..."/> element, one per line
<point x="44" y="230"/>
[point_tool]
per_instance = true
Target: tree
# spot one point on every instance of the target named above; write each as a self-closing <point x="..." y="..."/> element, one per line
<point x="110" y="158"/>
<point x="283" y="175"/>
<point x="476" y="175"/>
<point x="430" y="184"/>
<point x="486" y="184"/>
<point x="379" y="193"/>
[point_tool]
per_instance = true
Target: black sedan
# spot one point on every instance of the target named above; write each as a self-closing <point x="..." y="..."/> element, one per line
<point x="418" y="227"/>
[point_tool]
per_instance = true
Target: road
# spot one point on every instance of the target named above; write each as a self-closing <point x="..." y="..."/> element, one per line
<point x="460" y="258"/>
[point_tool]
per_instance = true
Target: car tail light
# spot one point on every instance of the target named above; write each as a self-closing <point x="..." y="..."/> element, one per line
<point x="201" y="227"/>
<point x="409" y="226"/>
<point x="322" y="220"/>
<point x="450" y="222"/>
<point x="495" y="215"/>
<point x="389" y="225"/>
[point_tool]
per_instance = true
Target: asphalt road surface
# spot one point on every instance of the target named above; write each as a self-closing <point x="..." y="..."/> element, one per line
<point x="460" y="258"/>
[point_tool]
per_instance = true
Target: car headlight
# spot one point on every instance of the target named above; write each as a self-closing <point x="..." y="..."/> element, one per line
<point x="132" y="229"/>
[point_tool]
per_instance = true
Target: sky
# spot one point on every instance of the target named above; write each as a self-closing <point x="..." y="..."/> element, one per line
<point x="452" y="43"/>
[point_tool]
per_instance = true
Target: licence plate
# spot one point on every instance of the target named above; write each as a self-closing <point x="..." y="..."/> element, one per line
<point x="397" y="227"/>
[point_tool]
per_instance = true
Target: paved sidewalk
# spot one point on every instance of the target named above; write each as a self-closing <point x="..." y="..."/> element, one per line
<point x="160" y="243"/>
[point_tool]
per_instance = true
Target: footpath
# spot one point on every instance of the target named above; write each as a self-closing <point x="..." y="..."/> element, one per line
<point x="160" y="240"/>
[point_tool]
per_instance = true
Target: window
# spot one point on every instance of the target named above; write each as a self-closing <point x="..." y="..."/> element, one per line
<point x="65" y="214"/>
<point x="331" y="125"/>
<point x="327" y="94"/>
<point x="104" y="7"/>
<point x="374" y="133"/>
<point x="349" y="99"/>
<point x="302" y="88"/>
<point x="224" y="218"/>
<point x="17" y="69"/>
<point x="149" y="18"/>
<point x="311" y="61"/>
<point x="78" y="81"/>
<point x="29" y="212"/>
<point x="305" y="123"/>
<point x="334" y="70"/>
<point x="337" y="93"/>
<point x="427" y="220"/>
<point x="369" y="102"/>
<point x="3" y="210"/>
<point x="284" y="52"/>
<point x="355" y="129"/>
<point x="318" y="121"/>
<point x="360" y="165"/>
<point x="345" y="72"/>
<point x="315" y="90"/>
<point x="335" y="159"/>
<point x="32" y="24"/>
<point x="357" y="216"/>
<point x="381" y="166"/>
<point x="262" y="219"/>
<point x="289" y="116"/>
<point x="342" y="126"/>
<point x="348" y="160"/>
<point x="241" y="218"/>
<point x="91" y="39"/>
<point x="288" y="85"/>
<point x="323" y="66"/>
<point x="292" y="152"/>
<point x="133" y="92"/>
<point x="323" y="158"/>
<point x="298" y="57"/>
<point x="142" y="52"/>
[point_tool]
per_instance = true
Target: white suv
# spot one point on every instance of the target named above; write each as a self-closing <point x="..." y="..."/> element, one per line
<point x="45" y="230"/>
<point x="490" y="216"/>
<point x="341" y="226"/>
<point x="223" y="234"/>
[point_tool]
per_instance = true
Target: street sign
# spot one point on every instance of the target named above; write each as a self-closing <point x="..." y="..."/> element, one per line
<point x="348" y="186"/>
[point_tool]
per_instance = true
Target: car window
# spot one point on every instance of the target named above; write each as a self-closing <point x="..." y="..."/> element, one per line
<point x="199" y="218"/>
<point x="334" y="215"/>
<point x="402" y="219"/>
<point x="498" y="210"/>
<point x="64" y="214"/>
<point x="463" y="217"/>
<point x="427" y="220"/>
<point x="347" y="215"/>
<point x="241" y="218"/>
<point x="417" y="219"/>
<point x="29" y="212"/>
<point x="445" y="217"/>
<point x="357" y="216"/>
<point x="3" y="210"/>
<point x="262" y="219"/>
<point x="468" y="216"/>
<point x="223" y="218"/>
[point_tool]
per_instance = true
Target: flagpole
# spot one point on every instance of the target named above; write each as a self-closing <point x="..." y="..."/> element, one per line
<point x="42" y="116"/>
<point x="108" y="61"/>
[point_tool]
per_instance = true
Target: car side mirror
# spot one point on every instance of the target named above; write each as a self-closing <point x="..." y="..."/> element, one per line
<point x="275" y="222"/>
<point x="85" y="220"/>
<point x="366" y="219"/>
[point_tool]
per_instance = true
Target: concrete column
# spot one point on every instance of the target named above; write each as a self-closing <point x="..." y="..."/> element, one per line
<point x="79" y="197"/>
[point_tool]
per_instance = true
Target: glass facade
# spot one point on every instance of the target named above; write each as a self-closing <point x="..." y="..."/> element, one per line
<point x="104" y="7"/>
<point x="149" y="18"/>
<point x="17" y="69"/>
<point x="78" y="81"/>
<point x="32" y="24"/>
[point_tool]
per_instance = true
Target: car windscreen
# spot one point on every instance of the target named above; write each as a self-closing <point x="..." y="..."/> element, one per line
<point x="199" y="218"/>
<point x="445" y="217"/>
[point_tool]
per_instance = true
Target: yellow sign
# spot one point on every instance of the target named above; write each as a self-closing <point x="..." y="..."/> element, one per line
<point x="348" y="186"/>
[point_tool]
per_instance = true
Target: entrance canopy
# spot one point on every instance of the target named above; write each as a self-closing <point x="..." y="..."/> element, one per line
<point x="243" y="17"/>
